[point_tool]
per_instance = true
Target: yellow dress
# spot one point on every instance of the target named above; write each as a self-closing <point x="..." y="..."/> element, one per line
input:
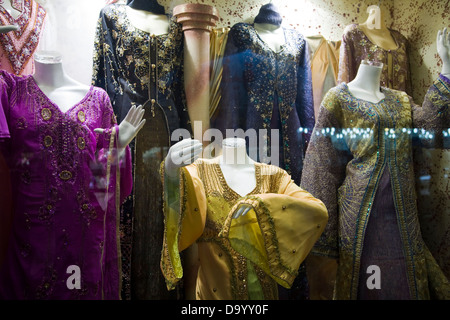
<point x="241" y="258"/>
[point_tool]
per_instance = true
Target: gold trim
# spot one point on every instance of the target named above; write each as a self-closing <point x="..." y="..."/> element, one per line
<point x="48" y="141"/>
<point x="81" y="116"/>
<point x="65" y="175"/>
<point x="46" y="114"/>
<point x="81" y="143"/>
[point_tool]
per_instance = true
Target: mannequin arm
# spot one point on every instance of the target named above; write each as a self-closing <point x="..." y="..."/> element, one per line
<point x="5" y="29"/>
<point x="181" y="154"/>
<point x="443" y="49"/>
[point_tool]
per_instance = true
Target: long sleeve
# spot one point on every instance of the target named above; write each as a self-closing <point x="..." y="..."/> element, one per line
<point x="105" y="67"/>
<point x="434" y="114"/>
<point x="279" y="231"/>
<point x="324" y="171"/>
<point x="6" y="82"/>
<point x="305" y="98"/>
<point x="115" y="169"/>
<point x="232" y="107"/>
<point x="184" y="219"/>
<point x="346" y="66"/>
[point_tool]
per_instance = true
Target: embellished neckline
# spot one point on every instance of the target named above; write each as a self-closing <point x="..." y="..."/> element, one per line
<point x="232" y="194"/>
<point x="130" y="23"/>
<point x="373" y="43"/>
<point x="265" y="44"/>
<point x="346" y="90"/>
<point x="52" y="103"/>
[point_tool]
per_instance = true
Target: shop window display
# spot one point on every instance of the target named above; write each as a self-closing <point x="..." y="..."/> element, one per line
<point x="378" y="163"/>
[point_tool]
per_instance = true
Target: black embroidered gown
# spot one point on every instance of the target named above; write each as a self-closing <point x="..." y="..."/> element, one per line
<point x="135" y="67"/>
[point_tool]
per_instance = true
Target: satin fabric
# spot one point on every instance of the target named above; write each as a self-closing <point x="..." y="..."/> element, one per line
<point x="243" y="258"/>
<point x="67" y="184"/>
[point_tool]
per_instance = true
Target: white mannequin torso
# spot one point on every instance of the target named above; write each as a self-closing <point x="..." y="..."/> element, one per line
<point x="13" y="12"/>
<point x="271" y="34"/>
<point x="149" y="22"/>
<point x="64" y="91"/>
<point x="366" y="84"/>
<point x="237" y="167"/>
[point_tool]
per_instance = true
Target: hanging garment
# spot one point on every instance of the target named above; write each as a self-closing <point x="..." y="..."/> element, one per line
<point x="135" y="68"/>
<point x="16" y="56"/>
<point x="356" y="46"/>
<point x="264" y="89"/>
<point x="241" y="258"/>
<point x="17" y="47"/>
<point x="67" y="184"/>
<point x="324" y="67"/>
<point x="360" y="164"/>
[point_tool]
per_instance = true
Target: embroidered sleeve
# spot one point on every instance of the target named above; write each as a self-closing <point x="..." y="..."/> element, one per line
<point x="184" y="219"/>
<point x="279" y="231"/>
<point x="324" y="170"/>
<point x="433" y="115"/>
<point x="305" y="99"/>
<point x="4" y="103"/>
<point x="346" y="70"/>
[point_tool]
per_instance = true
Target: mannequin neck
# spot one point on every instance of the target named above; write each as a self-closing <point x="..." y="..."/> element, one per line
<point x="49" y="71"/>
<point x="366" y="85"/>
<point x="272" y="35"/>
<point x="147" y="21"/>
<point x="267" y="28"/>
<point x="237" y="167"/>
<point x="55" y="83"/>
<point x="234" y="153"/>
<point x="147" y="5"/>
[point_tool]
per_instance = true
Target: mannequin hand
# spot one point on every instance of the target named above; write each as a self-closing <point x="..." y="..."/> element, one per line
<point x="181" y="154"/>
<point x="130" y="126"/>
<point x="443" y="49"/>
<point x="242" y="210"/>
<point x="5" y="29"/>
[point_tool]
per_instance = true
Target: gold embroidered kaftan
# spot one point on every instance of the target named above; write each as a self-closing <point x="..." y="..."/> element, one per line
<point x="241" y="258"/>
<point x="356" y="147"/>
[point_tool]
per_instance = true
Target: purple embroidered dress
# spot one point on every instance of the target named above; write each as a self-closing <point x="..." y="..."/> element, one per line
<point x="67" y="182"/>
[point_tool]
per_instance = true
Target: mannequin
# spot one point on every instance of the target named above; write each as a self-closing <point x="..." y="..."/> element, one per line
<point x="143" y="67"/>
<point x="77" y="172"/>
<point x="380" y="36"/>
<point x="268" y="25"/>
<point x="443" y="49"/>
<point x="363" y="171"/>
<point x="367" y="41"/>
<point x="366" y="85"/>
<point x="65" y="92"/>
<point x="5" y="29"/>
<point x="267" y="85"/>
<point x="237" y="167"/>
<point x="55" y="83"/>
<point x="147" y="21"/>
<point x="221" y="201"/>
